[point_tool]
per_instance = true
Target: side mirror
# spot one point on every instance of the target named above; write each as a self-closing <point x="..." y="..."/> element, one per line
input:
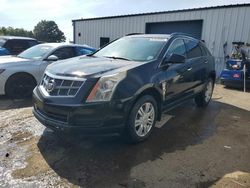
<point x="52" y="58"/>
<point x="174" y="58"/>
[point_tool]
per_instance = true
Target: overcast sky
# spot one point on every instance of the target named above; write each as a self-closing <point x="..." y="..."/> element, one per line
<point x="27" y="13"/>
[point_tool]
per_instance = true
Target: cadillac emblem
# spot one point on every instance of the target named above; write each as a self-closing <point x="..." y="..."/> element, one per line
<point x="50" y="85"/>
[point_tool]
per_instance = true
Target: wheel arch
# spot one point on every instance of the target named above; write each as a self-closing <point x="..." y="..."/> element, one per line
<point x="213" y="75"/>
<point x="156" y="94"/>
<point x="19" y="73"/>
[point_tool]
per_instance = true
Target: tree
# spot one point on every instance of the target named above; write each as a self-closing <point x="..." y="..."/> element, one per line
<point x="48" y="31"/>
<point x="15" y="32"/>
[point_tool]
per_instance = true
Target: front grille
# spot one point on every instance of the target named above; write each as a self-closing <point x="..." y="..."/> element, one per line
<point x="60" y="86"/>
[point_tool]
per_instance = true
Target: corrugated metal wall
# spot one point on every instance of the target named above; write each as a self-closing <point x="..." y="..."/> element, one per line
<point x="220" y="25"/>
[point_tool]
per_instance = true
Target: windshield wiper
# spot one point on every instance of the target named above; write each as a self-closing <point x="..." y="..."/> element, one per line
<point x="122" y="58"/>
<point x="20" y="57"/>
<point x="90" y="55"/>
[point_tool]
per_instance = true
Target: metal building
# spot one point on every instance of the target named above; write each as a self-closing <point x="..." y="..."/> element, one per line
<point x="217" y="26"/>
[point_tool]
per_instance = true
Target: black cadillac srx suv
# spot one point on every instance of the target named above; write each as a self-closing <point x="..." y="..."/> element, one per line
<point x="125" y="86"/>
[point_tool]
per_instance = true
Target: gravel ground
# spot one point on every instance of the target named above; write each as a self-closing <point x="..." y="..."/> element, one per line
<point x="191" y="147"/>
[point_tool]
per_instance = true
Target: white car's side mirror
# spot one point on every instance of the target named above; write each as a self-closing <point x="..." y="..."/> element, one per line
<point x="52" y="58"/>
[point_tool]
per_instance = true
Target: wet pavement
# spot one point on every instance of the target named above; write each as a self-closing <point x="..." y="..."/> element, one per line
<point x="194" y="148"/>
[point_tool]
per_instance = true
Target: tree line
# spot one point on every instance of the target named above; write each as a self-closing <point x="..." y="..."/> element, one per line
<point x="44" y="31"/>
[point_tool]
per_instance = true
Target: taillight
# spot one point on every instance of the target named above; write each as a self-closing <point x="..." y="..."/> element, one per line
<point x="236" y="75"/>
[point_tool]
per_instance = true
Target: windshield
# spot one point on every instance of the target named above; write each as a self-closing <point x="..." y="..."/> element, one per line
<point x="133" y="48"/>
<point x="36" y="52"/>
<point x="2" y="42"/>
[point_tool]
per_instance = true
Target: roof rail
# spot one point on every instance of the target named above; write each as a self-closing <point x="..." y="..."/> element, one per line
<point x="180" y="33"/>
<point x="134" y="34"/>
<point x="238" y="43"/>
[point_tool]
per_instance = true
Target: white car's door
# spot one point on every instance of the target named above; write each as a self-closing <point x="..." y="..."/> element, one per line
<point x="43" y="66"/>
<point x="60" y="53"/>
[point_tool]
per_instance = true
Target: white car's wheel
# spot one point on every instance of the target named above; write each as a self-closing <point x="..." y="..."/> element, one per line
<point x="20" y="85"/>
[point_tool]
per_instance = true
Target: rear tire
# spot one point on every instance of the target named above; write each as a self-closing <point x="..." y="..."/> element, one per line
<point x="19" y="86"/>
<point x="141" y="120"/>
<point x="205" y="96"/>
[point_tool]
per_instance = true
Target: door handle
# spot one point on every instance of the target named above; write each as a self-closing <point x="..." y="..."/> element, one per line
<point x="189" y="69"/>
<point x="206" y="61"/>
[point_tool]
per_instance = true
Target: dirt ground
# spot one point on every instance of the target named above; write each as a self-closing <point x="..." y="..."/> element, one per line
<point x="191" y="147"/>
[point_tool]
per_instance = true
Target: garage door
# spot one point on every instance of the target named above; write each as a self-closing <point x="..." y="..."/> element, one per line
<point x="193" y="27"/>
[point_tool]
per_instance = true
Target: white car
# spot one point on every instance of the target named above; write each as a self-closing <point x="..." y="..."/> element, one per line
<point x="20" y="74"/>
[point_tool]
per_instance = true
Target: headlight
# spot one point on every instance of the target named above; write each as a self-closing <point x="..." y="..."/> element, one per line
<point x="105" y="87"/>
<point x="1" y="71"/>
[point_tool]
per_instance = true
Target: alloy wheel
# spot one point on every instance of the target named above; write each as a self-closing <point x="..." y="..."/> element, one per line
<point x="144" y="119"/>
<point x="209" y="91"/>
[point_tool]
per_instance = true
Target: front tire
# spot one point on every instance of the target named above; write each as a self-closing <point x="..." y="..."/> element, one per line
<point x="141" y="120"/>
<point x="20" y="85"/>
<point x="205" y="96"/>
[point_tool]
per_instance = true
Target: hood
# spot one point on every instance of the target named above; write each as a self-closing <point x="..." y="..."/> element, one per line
<point x="90" y="66"/>
<point x="10" y="60"/>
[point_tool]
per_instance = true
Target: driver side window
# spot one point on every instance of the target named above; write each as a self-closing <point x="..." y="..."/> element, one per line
<point x="177" y="47"/>
<point x="64" y="53"/>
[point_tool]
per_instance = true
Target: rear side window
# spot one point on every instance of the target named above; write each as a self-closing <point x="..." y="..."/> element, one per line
<point x="193" y="49"/>
<point x="206" y="50"/>
<point x="203" y="50"/>
<point x="177" y="47"/>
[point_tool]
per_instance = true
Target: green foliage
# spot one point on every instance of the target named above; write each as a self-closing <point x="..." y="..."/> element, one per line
<point x="15" y="32"/>
<point x="48" y="31"/>
<point x="45" y="31"/>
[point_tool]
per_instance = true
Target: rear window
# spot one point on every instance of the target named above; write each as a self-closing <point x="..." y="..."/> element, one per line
<point x="193" y="49"/>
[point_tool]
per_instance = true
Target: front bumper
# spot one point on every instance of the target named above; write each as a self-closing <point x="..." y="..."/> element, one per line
<point x="108" y="117"/>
